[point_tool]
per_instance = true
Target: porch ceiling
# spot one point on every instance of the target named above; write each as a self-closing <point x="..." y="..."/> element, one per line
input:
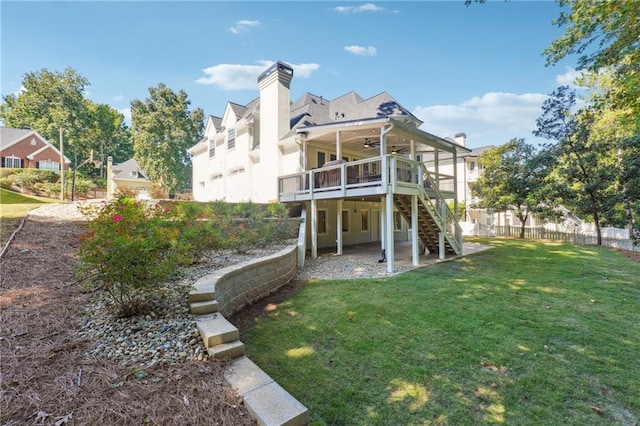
<point x="353" y="136"/>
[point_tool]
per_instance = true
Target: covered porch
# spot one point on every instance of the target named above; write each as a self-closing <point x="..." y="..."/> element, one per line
<point x="344" y="161"/>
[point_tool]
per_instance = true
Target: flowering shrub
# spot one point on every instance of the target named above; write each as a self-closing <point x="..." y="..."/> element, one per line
<point x="129" y="249"/>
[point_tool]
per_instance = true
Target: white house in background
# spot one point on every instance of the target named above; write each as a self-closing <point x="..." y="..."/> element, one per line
<point x="354" y="164"/>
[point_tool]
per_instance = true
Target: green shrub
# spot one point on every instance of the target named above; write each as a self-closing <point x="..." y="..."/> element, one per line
<point x="28" y="178"/>
<point x="129" y="250"/>
<point x="5" y="183"/>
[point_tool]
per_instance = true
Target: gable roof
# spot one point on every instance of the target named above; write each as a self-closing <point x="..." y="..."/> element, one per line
<point x="313" y="110"/>
<point x="123" y="170"/>
<point x="9" y="136"/>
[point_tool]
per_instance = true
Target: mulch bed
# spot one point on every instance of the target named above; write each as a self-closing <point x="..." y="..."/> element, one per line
<point x="46" y="376"/>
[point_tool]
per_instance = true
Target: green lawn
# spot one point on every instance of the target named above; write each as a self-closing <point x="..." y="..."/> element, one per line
<point x="15" y="206"/>
<point x="526" y="333"/>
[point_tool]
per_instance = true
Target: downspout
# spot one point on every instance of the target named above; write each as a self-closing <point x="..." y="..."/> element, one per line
<point x="389" y="251"/>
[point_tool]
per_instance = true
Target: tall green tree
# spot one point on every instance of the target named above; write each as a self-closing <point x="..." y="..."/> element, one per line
<point x="163" y="128"/>
<point x="620" y="127"/>
<point x="108" y="134"/>
<point x="585" y="170"/>
<point x="51" y="100"/>
<point x="614" y="27"/>
<point x="513" y="180"/>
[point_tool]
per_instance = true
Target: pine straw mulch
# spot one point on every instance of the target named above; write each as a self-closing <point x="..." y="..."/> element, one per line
<point x="46" y="377"/>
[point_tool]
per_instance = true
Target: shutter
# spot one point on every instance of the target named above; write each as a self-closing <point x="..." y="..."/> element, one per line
<point x="3" y="163"/>
<point x="22" y="163"/>
<point x="37" y="164"/>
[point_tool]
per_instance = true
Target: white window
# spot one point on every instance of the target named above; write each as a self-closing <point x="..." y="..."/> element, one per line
<point x="322" y="221"/>
<point x="212" y="148"/>
<point x="49" y="165"/>
<point x="472" y="165"/>
<point x="231" y="138"/>
<point x="12" y="162"/>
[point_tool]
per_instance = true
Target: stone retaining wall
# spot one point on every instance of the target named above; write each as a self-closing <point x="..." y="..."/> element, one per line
<point x="240" y="285"/>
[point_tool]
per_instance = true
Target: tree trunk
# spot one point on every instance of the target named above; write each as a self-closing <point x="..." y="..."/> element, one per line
<point x="596" y="221"/>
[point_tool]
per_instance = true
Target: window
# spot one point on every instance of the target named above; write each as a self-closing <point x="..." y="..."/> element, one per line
<point x="332" y="157"/>
<point x="472" y="165"/>
<point x="33" y="142"/>
<point x="231" y="138"/>
<point x="49" y="165"/>
<point x="322" y="221"/>
<point x="364" y="217"/>
<point x="397" y="221"/>
<point x="212" y="148"/>
<point x="12" y="162"/>
<point x="322" y="158"/>
<point x="345" y="220"/>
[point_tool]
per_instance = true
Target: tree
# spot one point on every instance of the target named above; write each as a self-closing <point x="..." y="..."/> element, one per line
<point x="51" y="100"/>
<point x="163" y="130"/>
<point x="615" y="25"/>
<point x="109" y="134"/>
<point x="512" y="180"/>
<point x="621" y="128"/>
<point x="585" y="169"/>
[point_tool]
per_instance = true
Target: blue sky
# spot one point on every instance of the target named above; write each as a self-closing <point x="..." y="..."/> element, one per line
<point x="476" y="69"/>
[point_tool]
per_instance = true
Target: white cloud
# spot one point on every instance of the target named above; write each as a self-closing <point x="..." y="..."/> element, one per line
<point x="569" y="77"/>
<point x="118" y="98"/>
<point x="492" y="119"/>
<point x="367" y="7"/>
<point x="244" y="25"/>
<point x="127" y="114"/>
<point x="244" y="77"/>
<point x="361" y="50"/>
<point x="20" y="91"/>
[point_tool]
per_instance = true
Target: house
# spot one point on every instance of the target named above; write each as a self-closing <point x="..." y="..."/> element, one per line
<point x="127" y="175"/>
<point x="354" y="164"/>
<point x="27" y="149"/>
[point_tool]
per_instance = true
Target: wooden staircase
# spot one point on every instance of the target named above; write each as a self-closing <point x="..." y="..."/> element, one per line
<point x="430" y="223"/>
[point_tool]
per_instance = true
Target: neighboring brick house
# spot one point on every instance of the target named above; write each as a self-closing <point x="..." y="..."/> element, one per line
<point x="27" y="149"/>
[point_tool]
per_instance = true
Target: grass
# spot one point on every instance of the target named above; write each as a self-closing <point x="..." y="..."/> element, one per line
<point x="15" y="206"/>
<point x="526" y="333"/>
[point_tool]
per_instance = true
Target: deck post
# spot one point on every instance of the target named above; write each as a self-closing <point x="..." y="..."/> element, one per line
<point x="314" y="228"/>
<point x="414" y="231"/>
<point x="389" y="229"/>
<point x="339" y="227"/>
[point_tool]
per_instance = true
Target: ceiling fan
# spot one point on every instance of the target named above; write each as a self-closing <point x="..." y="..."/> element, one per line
<point x="368" y="143"/>
<point x="398" y="150"/>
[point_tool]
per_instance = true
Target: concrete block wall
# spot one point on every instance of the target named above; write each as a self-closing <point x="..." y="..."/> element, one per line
<point x="240" y="285"/>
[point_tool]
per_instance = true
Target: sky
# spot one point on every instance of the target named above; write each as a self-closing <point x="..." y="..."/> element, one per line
<point x="476" y="69"/>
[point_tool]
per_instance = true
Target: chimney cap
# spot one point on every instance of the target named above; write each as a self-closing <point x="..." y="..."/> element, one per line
<point x="460" y="135"/>
<point x="278" y="66"/>
<point x="26" y="127"/>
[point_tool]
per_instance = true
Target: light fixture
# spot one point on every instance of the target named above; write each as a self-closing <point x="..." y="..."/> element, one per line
<point x="367" y="143"/>
<point x="393" y="150"/>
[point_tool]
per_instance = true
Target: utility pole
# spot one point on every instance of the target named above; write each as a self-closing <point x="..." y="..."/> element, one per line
<point x="61" y="166"/>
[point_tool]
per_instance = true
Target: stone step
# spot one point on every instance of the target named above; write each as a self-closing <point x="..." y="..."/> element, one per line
<point x="206" y="307"/>
<point x="217" y="330"/>
<point x="268" y="403"/>
<point x="230" y="350"/>
<point x="202" y="294"/>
